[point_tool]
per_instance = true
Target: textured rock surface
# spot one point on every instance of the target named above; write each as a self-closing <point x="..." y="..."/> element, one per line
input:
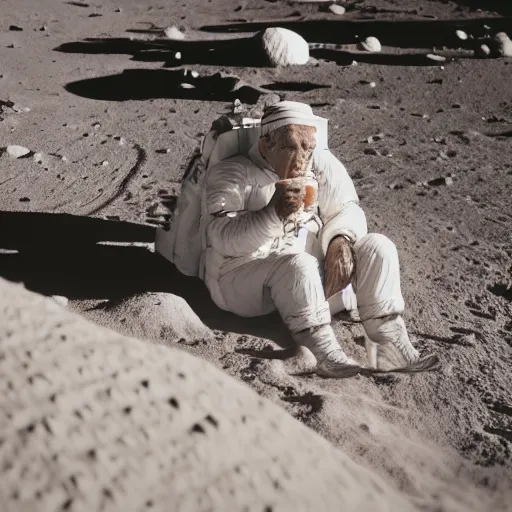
<point x="283" y="47"/>
<point x="92" y="420"/>
<point x="153" y="316"/>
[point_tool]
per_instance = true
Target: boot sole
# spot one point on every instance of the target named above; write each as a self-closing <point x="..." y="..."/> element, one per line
<point x="428" y="363"/>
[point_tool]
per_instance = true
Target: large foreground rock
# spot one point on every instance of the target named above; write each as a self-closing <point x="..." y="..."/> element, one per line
<point x="91" y="420"/>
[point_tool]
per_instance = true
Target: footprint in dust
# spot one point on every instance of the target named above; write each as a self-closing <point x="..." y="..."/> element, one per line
<point x="476" y="309"/>
<point x="501" y="290"/>
<point x="306" y="405"/>
<point x="501" y="407"/>
<point x="505" y="433"/>
<point x="250" y="372"/>
<point x="501" y="419"/>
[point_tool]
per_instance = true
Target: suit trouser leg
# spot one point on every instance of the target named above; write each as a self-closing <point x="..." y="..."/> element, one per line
<point x="377" y="279"/>
<point x="290" y="283"/>
<point x="379" y="296"/>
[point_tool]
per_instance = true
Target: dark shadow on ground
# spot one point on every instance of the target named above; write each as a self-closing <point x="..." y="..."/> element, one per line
<point x="143" y="84"/>
<point x="295" y="86"/>
<point x="61" y="254"/>
<point x="503" y="7"/>
<point x="236" y="52"/>
<point x="401" y="34"/>
<point x="344" y="58"/>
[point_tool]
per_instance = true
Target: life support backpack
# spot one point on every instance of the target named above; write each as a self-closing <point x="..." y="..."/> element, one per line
<point x="184" y="243"/>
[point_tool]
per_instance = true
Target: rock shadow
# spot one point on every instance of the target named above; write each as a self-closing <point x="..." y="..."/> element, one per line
<point x="87" y="258"/>
<point x="144" y="84"/>
<point x="502" y="7"/>
<point x="345" y="58"/>
<point x="235" y="52"/>
<point x="400" y="34"/>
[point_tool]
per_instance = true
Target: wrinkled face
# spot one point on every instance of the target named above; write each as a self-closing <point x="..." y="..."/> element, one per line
<point x="289" y="149"/>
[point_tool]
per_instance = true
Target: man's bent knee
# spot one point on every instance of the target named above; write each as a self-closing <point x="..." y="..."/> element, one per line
<point x="376" y="244"/>
<point x="304" y="264"/>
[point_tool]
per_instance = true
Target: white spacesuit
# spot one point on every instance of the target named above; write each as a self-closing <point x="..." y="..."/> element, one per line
<point x="255" y="263"/>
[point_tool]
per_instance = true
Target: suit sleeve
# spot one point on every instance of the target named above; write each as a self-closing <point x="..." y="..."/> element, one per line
<point x="338" y="202"/>
<point x="234" y="231"/>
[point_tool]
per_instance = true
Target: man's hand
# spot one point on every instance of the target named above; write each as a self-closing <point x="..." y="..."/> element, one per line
<point x="288" y="198"/>
<point x="339" y="266"/>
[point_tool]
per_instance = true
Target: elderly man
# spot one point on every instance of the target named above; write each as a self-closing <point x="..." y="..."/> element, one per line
<point x="264" y="252"/>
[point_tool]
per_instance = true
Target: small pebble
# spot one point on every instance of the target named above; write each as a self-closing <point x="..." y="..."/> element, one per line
<point x="483" y="51"/>
<point x="373" y="85"/>
<point x="371" y="44"/>
<point x="96" y="125"/>
<point x="17" y="151"/>
<point x="194" y="74"/>
<point x="177" y="55"/>
<point x="174" y="33"/>
<point x="104" y="163"/>
<point x="337" y="9"/>
<point x="437" y="58"/>
<point x="461" y="34"/>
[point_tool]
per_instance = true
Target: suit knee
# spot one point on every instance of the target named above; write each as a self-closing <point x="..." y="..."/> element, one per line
<point x="376" y="244"/>
<point x="302" y="264"/>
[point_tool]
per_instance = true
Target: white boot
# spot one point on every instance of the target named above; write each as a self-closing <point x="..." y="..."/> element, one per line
<point x="330" y="358"/>
<point x="389" y="348"/>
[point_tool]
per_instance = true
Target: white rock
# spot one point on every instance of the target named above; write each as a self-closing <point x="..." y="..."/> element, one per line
<point x="483" y="51"/>
<point x="174" y="33"/>
<point x="504" y="44"/>
<point x="187" y="86"/>
<point x="17" y="151"/>
<point x="437" y="58"/>
<point x="461" y="34"/>
<point x="104" y="163"/>
<point x="194" y="74"/>
<point x="337" y="9"/>
<point x="371" y="44"/>
<point x="177" y="55"/>
<point x="373" y="85"/>
<point x="284" y="47"/>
